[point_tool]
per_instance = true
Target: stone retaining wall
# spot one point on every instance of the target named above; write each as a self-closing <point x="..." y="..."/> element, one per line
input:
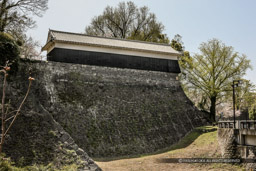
<point x="110" y="112"/>
<point x="114" y="112"/>
<point x="227" y="142"/>
<point x="227" y="138"/>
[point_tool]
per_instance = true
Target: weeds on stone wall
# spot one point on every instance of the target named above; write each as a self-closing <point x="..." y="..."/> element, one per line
<point x="7" y="165"/>
<point x="8" y="117"/>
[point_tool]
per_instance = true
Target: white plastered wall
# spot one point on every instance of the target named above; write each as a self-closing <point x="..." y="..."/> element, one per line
<point x="110" y="50"/>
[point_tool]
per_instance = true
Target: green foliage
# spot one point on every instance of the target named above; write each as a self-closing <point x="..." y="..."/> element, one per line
<point x="16" y="18"/>
<point x="211" y="72"/>
<point x="9" y="51"/>
<point x="7" y="165"/>
<point x="252" y="111"/>
<point x="177" y="44"/>
<point x="52" y="133"/>
<point x="245" y="95"/>
<point x="127" y="21"/>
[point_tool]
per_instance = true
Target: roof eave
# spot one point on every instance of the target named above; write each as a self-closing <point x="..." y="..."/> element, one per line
<point x="45" y="47"/>
<point x="114" y="47"/>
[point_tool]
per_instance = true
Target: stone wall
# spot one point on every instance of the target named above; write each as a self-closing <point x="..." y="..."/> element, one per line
<point x="36" y="137"/>
<point x="110" y="112"/>
<point x="251" y="151"/>
<point x="227" y="139"/>
<point x="227" y="142"/>
<point x="116" y="112"/>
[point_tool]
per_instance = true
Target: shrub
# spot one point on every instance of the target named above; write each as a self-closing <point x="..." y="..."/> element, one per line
<point x="9" y="51"/>
<point x="252" y="112"/>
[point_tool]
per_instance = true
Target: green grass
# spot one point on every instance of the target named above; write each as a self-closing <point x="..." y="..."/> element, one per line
<point x="207" y="128"/>
<point x="207" y="138"/>
<point x="202" y="142"/>
<point x="7" y="165"/>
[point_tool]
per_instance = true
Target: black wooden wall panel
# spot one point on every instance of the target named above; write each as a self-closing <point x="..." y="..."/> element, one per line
<point x="113" y="60"/>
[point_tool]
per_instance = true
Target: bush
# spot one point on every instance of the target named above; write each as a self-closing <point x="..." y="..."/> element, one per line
<point x="7" y="165"/>
<point x="252" y="112"/>
<point x="9" y="51"/>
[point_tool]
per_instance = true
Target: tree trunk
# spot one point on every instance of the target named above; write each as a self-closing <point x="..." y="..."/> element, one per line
<point x="3" y="15"/>
<point x="213" y="109"/>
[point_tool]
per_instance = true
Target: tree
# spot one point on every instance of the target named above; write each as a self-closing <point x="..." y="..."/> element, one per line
<point x="28" y="49"/>
<point x="246" y="98"/>
<point x="127" y="21"/>
<point x="177" y="44"/>
<point x="9" y="51"/>
<point x="16" y="14"/>
<point x="245" y="95"/>
<point x="16" y="18"/>
<point x="212" y="71"/>
<point x="252" y="110"/>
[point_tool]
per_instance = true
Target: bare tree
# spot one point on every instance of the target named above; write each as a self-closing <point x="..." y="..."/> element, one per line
<point x="6" y="115"/>
<point x="127" y="21"/>
<point x="29" y="48"/>
<point x="16" y="18"/>
<point x="17" y="14"/>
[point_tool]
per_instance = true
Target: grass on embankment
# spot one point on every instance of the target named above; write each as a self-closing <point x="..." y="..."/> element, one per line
<point x="184" y="142"/>
<point x="199" y="143"/>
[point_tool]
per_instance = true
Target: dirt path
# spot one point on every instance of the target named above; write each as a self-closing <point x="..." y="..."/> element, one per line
<point x="204" y="146"/>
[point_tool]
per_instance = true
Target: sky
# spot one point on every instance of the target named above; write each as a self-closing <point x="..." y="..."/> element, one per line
<point x="197" y="21"/>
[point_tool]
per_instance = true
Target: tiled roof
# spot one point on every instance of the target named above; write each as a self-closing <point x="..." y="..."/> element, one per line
<point x="75" y="38"/>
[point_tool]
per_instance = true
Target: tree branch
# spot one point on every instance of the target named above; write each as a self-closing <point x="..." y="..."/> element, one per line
<point x="17" y="113"/>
